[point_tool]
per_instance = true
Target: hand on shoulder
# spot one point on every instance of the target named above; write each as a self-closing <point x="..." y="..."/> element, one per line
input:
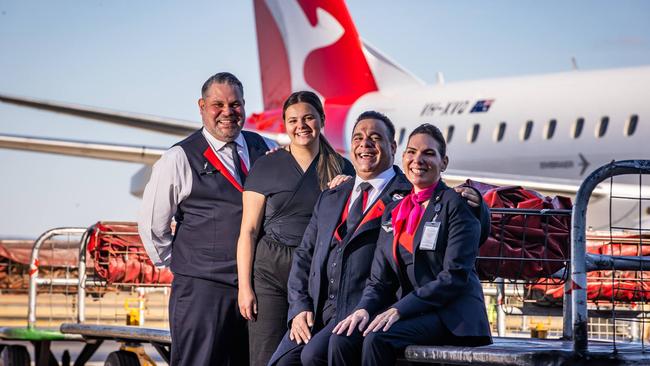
<point x="471" y="195"/>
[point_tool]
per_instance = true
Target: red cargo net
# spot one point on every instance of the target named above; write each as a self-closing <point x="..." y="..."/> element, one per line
<point x="57" y="258"/>
<point x="608" y="286"/>
<point x="523" y="246"/>
<point x="119" y="256"/>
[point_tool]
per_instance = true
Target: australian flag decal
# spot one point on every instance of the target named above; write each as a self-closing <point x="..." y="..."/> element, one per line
<point x="482" y="106"/>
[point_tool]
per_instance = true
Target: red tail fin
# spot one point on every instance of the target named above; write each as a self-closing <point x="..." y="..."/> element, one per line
<point x="311" y="45"/>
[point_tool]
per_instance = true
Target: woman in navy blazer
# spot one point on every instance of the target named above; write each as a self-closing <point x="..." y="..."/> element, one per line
<point x="423" y="287"/>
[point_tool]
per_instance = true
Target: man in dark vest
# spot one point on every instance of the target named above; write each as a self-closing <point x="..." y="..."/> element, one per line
<point x="331" y="265"/>
<point x="198" y="182"/>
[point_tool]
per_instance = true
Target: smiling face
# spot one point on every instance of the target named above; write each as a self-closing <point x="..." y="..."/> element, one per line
<point x="303" y="124"/>
<point x="222" y="111"/>
<point x="422" y="161"/>
<point x="372" y="149"/>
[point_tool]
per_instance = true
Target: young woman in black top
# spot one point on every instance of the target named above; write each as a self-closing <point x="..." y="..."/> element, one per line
<point x="278" y="199"/>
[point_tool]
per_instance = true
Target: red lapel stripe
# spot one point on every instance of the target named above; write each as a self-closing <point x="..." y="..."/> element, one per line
<point x="376" y="211"/>
<point x="395" y="248"/>
<point x="344" y="217"/>
<point x="214" y="160"/>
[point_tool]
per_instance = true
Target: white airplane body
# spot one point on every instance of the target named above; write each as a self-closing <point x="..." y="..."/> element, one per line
<point x="520" y="130"/>
<point x="617" y="95"/>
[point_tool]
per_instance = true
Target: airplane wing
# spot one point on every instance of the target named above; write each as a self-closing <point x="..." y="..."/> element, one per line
<point x="143" y="121"/>
<point x="128" y="153"/>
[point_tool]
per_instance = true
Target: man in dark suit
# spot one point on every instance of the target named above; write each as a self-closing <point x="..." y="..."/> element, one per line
<point x="423" y="287"/>
<point x="331" y="265"/>
<point x="199" y="182"/>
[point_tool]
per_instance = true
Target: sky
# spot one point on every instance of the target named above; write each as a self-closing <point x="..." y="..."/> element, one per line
<point x="153" y="56"/>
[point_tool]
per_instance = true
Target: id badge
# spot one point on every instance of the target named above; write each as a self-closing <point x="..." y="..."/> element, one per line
<point x="430" y="235"/>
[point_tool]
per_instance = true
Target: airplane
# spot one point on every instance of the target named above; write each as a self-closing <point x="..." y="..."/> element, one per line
<point x="544" y="132"/>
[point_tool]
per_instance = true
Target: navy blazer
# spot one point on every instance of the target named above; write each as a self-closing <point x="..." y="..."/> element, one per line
<point x="446" y="278"/>
<point x="310" y="257"/>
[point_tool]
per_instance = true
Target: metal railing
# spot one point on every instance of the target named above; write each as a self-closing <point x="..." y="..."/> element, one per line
<point x="583" y="262"/>
<point x="35" y="281"/>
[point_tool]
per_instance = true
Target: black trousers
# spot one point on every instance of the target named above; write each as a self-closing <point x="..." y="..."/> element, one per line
<point x="206" y="326"/>
<point x="270" y="276"/>
<point x="383" y="348"/>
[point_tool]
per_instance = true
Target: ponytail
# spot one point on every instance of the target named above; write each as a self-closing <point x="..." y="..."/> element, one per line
<point x="330" y="163"/>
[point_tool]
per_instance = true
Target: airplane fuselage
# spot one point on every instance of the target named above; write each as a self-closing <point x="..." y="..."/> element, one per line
<point x="503" y="125"/>
<point x="556" y="127"/>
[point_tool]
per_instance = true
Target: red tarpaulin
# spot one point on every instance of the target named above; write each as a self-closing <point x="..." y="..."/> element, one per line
<point x="119" y="255"/>
<point x="54" y="253"/>
<point x="57" y="258"/>
<point x="620" y="286"/>
<point x="527" y="244"/>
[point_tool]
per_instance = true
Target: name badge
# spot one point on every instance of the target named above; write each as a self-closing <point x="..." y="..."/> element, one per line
<point x="430" y="235"/>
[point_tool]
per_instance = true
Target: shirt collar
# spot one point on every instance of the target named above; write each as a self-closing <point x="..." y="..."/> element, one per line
<point x="218" y="144"/>
<point x="378" y="183"/>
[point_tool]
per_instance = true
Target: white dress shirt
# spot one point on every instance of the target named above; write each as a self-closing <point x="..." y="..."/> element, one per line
<point x="169" y="185"/>
<point x="378" y="184"/>
<point x="225" y="155"/>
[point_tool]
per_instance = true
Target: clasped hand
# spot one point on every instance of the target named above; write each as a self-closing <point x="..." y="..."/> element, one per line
<point x="301" y="327"/>
<point x="359" y="319"/>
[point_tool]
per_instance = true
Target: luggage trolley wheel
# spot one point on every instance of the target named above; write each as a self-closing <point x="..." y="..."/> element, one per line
<point x="122" y="358"/>
<point x="14" y="355"/>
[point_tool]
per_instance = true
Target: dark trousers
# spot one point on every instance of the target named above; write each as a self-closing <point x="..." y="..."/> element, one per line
<point x="383" y="348"/>
<point x="206" y="326"/>
<point x="270" y="276"/>
<point x="310" y="354"/>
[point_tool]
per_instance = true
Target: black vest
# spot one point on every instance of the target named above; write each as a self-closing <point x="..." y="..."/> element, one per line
<point x="208" y="220"/>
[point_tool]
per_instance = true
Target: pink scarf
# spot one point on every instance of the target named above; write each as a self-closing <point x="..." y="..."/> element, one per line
<point x="410" y="211"/>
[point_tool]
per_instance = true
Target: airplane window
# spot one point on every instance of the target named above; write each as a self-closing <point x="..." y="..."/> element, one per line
<point x="631" y="125"/>
<point x="527" y="130"/>
<point x="500" y="132"/>
<point x="550" y="129"/>
<point x="402" y="132"/>
<point x="577" y="127"/>
<point x="473" y="135"/>
<point x="602" y="127"/>
<point x="450" y="133"/>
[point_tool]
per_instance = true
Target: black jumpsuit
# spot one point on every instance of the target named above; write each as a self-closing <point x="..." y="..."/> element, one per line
<point x="290" y="198"/>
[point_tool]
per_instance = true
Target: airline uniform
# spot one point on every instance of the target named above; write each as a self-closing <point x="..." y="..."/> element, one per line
<point x="198" y="183"/>
<point x="329" y="270"/>
<point x="290" y="197"/>
<point x="332" y="263"/>
<point x="439" y="296"/>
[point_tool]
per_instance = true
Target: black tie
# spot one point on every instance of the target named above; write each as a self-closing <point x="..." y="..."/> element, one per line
<point x="356" y="211"/>
<point x="237" y="160"/>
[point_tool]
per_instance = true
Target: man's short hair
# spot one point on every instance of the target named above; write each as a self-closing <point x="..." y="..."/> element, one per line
<point x="434" y="132"/>
<point x="380" y="116"/>
<point x="222" y="78"/>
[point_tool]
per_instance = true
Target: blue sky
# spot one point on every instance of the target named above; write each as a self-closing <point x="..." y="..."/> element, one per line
<point x="152" y="57"/>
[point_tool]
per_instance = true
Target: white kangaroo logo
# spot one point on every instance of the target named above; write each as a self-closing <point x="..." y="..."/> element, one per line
<point x="300" y="38"/>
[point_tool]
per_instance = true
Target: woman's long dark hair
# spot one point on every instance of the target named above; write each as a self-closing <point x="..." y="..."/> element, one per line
<point x="330" y="163"/>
